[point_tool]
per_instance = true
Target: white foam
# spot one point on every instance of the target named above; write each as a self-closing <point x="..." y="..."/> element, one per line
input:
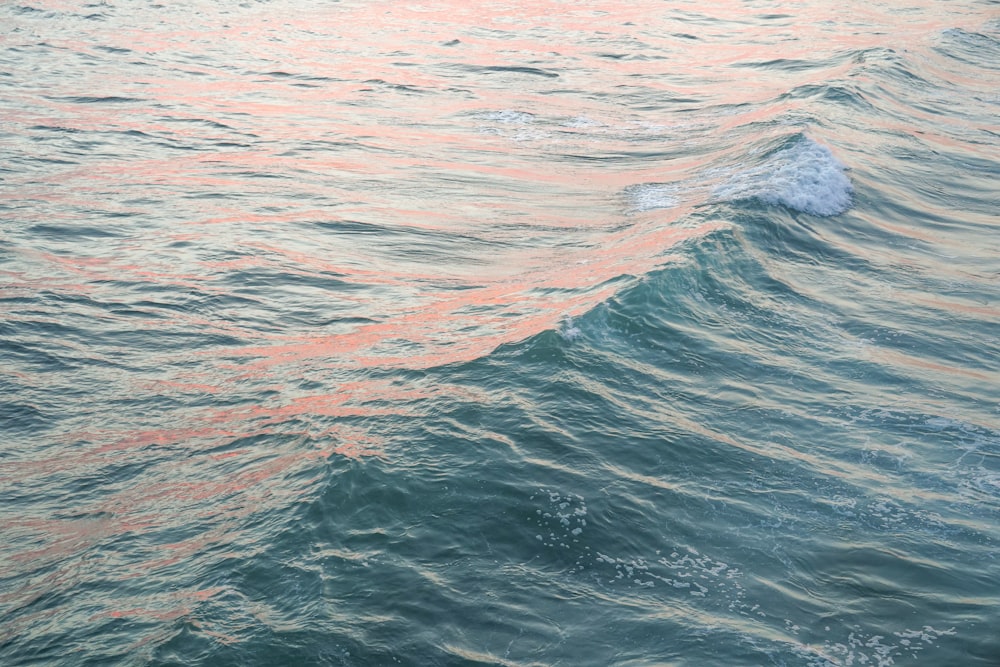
<point x="564" y="511"/>
<point x="508" y="117"/>
<point x="712" y="583"/>
<point x="519" y="126"/>
<point x="568" y="331"/>
<point x="804" y="176"/>
<point x="582" y="122"/>
<point x="874" y="650"/>
<point x="651" y="196"/>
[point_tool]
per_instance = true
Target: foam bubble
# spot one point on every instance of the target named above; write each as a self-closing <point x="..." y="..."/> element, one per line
<point x="804" y="176"/>
<point x="563" y="521"/>
<point x="688" y="573"/>
<point x="876" y="650"/>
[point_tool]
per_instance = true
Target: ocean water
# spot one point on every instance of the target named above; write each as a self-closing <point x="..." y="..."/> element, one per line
<point x="515" y="333"/>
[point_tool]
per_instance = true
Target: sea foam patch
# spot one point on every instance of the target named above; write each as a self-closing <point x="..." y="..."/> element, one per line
<point x="706" y="583"/>
<point x="508" y="117"/>
<point x="804" y="176"/>
<point x="651" y="196"/>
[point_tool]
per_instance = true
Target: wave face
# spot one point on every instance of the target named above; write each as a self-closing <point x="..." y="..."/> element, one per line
<point x="521" y="333"/>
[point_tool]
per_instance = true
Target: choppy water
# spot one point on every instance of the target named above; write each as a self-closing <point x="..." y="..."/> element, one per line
<point x="516" y="333"/>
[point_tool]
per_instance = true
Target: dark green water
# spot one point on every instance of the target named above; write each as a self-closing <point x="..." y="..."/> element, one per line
<point x="519" y="333"/>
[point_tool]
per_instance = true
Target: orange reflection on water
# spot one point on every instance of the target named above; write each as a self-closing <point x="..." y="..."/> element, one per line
<point x="230" y="145"/>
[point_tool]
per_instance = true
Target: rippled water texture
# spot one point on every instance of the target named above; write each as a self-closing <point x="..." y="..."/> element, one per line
<point x="505" y="333"/>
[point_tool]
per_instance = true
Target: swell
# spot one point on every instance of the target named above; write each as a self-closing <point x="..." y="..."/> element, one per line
<point x="660" y="396"/>
<point x="724" y="392"/>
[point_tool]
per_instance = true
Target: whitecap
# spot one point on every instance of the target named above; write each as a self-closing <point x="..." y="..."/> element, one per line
<point x="568" y="331"/>
<point x="804" y="176"/>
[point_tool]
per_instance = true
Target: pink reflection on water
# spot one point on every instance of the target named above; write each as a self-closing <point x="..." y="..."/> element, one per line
<point x="510" y="295"/>
<point x="380" y="84"/>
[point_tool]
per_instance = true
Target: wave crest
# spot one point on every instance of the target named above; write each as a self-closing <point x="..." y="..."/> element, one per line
<point x="804" y="176"/>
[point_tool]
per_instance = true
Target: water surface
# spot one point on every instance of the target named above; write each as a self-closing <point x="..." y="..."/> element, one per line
<point x="523" y="333"/>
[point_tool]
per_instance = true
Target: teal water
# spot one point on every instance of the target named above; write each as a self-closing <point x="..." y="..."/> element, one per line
<point x="518" y="333"/>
